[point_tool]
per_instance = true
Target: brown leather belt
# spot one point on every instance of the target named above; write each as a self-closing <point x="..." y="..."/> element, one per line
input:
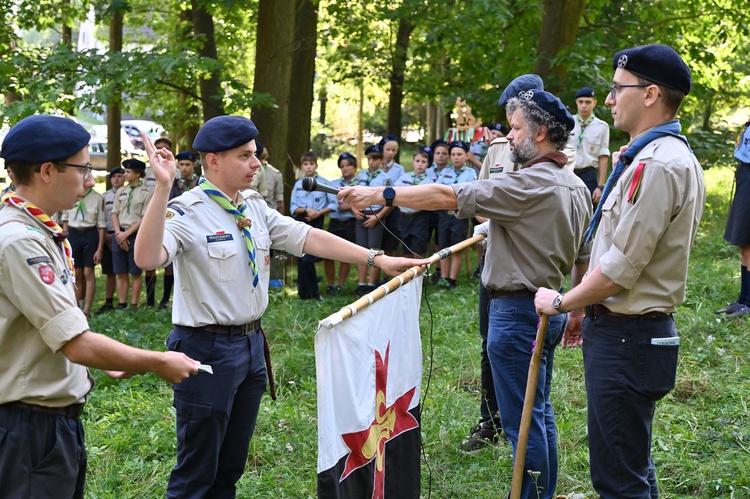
<point x="71" y="411"/>
<point x="519" y="293"/>
<point x="599" y="310"/>
<point x="241" y="330"/>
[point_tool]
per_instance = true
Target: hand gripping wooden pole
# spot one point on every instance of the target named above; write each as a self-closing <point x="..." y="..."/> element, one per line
<point x="528" y="409"/>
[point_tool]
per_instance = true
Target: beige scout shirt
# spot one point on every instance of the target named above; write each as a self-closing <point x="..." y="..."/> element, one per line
<point x="537" y="219"/>
<point x="38" y="316"/>
<point x="138" y="203"/>
<point x="270" y="184"/>
<point x="595" y="143"/>
<point x="498" y="159"/>
<point x="92" y="215"/>
<point x="643" y="242"/>
<point x="214" y="283"/>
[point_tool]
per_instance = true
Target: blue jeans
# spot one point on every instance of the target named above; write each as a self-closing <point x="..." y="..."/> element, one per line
<point x="625" y="375"/>
<point x="512" y="331"/>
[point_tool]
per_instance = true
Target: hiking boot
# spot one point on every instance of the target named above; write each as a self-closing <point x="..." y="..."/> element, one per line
<point x="731" y="308"/>
<point x="163" y="306"/>
<point x="333" y="290"/>
<point x="363" y="289"/>
<point x="435" y="278"/>
<point x="484" y="434"/>
<point x="446" y="284"/>
<point x="107" y="307"/>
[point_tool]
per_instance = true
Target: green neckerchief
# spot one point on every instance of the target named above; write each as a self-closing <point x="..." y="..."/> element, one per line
<point x="584" y="124"/>
<point x="81" y="206"/>
<point x="130" y="193"/>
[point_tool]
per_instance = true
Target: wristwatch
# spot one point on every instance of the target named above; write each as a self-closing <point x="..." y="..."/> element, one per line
<point x="389" y="194"/>
<point x="557" y="304"/>
<point x="601" y="187"/>
<point x="371" y="256"/>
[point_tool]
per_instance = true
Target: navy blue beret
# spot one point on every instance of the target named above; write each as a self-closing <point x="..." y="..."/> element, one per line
<point x="224" y="133"/>
<point x="185" y="156"/>
<point x="520" y="84"/>
<point x="375" y="149"/>
<point x="499" y="127"/>
<point x="428" y="151"/>
<point x="258" y="148"/>
<point x="388" y="138"/>
<point x="460" y="144"/>
<point x="551" y="104"/>
<point x="657" y="63"/>
<point x="134" y="164"/>
<point x="439" y="143"/>
<point x="346" y="156"/>
<point x="115" y="171"/>
<point x="42" y="138"/>
<point x="585" y="92"/>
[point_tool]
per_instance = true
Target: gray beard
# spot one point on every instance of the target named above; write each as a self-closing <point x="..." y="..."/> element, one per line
<point x="523" y="151"/>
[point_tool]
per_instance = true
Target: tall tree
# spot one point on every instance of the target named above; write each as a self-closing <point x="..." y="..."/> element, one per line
<point x="397" y="74"/>
<point x="114" y="105"/>
<point x="210" y="85"/>
<point x="560" y="20"/>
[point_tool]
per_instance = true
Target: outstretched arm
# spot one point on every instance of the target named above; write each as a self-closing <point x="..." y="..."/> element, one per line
<point x="421" y="197"/>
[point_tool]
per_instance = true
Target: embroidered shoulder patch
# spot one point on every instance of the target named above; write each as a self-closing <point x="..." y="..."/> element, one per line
<point x="46" y="274"/>
<point x="38" y="259"/>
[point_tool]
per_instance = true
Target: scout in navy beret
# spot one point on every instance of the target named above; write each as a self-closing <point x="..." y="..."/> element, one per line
<point x="348" y="157"/>
<point x="520" y="84"/>
<point x="656" y="63"/>
<point x="224" y="133"/>
<point x="186" y="156"/>
<point x="427" y="150"/>
<point x="585" y="92"/>
<point x="134" y="164"/>
<point x="258" y="148"/>
<point x="498" y="127"/>
<point x="116" y="170"/>
<point x="439" y="143"/>
<point x="552" y="105"/>
<point x="460" y="144"/>
<point x="374" y="149"/>
<point x="388" y="138"/>
<point x="42" y="138"/>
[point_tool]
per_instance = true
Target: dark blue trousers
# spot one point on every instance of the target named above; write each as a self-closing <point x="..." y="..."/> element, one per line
<point x="590" y="178"/>
<point x="625" y="375"/>
<point x="307" y="277"/>
<point x="41" y="455"/>
<point x="216" y="413"/>
<point x="488" y="404"/>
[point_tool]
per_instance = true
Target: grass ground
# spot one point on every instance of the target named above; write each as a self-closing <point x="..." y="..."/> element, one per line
<point x="701" y="435"/>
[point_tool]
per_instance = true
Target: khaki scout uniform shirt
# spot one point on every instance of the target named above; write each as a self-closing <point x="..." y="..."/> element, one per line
<point x="138" y="203"/>
<point x="93" y="215"/>
<point x="537" y="219"/>
<point x="498" y="159"/>
<point x="595" y="143"/>
<point x="109" y="204"/>
<point x="270" y="184"/>
<point x="214" y="283"/>
<point x="643" y="242"/>
<point x="38" y="316"/>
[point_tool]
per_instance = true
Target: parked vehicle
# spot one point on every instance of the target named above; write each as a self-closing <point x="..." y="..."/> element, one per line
<point x="134" y="128"/>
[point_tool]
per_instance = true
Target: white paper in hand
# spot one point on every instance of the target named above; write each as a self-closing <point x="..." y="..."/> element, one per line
<point x="205" y="368"/>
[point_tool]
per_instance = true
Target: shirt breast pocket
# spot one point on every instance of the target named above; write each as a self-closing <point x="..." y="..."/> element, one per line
<point x="608" y="212"/>
<point x="223" y="261"/>
<point x="263" y="252"/>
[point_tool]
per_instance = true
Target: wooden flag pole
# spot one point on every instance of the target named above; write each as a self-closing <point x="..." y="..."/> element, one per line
<point x="396" y="283"/>
<point x="528" y="409"/>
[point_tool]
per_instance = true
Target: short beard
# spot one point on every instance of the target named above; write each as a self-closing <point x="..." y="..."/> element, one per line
<point x="524" y="151"/>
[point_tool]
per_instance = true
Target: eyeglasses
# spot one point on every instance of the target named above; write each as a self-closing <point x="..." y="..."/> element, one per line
<point x="87" y="168"/>
<point x="613" y="88"/>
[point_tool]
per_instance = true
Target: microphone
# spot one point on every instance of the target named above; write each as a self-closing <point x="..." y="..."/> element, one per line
<point x="310" y="184"/>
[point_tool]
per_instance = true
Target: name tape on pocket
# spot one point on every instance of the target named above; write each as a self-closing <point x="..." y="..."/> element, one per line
<point x="666" y="342"/>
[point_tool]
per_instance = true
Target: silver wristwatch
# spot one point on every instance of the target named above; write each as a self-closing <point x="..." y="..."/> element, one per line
<point x="557" y="304"/>
<point x="371" y="256"/>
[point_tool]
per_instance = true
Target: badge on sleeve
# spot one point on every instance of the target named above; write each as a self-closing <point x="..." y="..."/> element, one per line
<point x="47" y="274"/>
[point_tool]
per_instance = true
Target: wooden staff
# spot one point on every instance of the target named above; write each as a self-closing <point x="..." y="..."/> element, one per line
<point x="396" y="283"/>
<point x="528" y="409"/>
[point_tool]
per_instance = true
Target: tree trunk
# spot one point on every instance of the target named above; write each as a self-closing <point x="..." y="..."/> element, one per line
<point x="114" y="107"/>
<point x="273" y="69"/>
<point x="560" y="20"/>
<point x="301" y="84"/>
<point x="398" y="68"/>
<point x="708" y="110"/>
<point x="211" y="94"/>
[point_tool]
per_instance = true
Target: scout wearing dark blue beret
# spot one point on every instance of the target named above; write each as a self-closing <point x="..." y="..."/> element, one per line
<point x="42" y="138"/>
<point x="375" y="149"/>
<point x="134" y="164"/>
<point x="520" y="84"/>
<point x="115" y="171"/>
<point x="428" y="151"/>
<point x="551" y="104"/>
<point x="460" y="144"/>
<point x="258" y="148"/>
<point x="657" y="63"/>
<point x="186" y="156"/>
<point x="585" y="92"/>
<point x="224" y="133"/>
<point x="346" y="156"/>
<point x="388" y="138"/>
<point x="498" y="127"/>
<point x="438" y="143"/>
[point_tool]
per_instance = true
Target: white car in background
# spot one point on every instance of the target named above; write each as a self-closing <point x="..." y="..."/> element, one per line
<point x="98" y="147"/>
<point x="134" y="128"/>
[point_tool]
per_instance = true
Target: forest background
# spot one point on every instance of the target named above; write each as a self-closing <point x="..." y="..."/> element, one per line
<point x="333" y="75"/>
